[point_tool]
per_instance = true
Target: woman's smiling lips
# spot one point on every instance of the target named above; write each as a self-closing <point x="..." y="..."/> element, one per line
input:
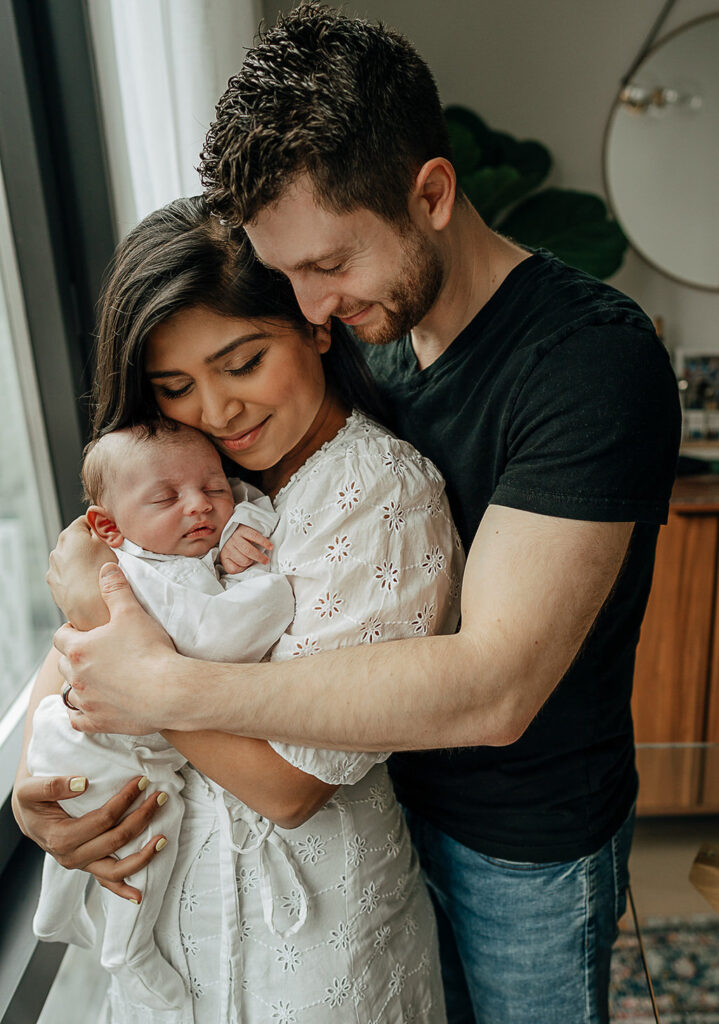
<point x="239" y="442"/>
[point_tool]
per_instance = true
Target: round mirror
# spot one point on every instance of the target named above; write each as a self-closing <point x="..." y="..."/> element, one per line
<point x="661" y="155"/>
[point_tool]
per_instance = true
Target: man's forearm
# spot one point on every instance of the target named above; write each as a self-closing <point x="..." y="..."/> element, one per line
<point x="402" y="695"/>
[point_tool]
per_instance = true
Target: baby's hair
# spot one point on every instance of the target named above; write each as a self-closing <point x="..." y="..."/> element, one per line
<point x="98" y="456"/>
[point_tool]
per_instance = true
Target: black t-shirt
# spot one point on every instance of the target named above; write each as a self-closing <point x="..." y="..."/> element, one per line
<point x="558" y="399"/>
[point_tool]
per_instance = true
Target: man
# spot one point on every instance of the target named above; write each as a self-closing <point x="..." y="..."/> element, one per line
<point x="550" y="407"/>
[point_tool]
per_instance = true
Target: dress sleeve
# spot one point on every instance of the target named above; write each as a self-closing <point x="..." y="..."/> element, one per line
<point x="372" y="554"/>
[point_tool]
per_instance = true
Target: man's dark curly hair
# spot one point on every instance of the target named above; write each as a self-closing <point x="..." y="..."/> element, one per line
<point x="346" y="101"/>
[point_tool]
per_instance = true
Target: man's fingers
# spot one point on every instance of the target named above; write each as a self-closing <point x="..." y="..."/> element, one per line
<point x="62" y="640"/>
<point x="113" y="581"/>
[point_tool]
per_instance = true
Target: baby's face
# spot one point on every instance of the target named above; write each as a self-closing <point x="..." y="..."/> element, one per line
<point x="173" y="499"/>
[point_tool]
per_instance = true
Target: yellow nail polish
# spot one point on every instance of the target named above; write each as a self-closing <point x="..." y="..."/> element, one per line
<point x="77" y="785"/>
<point x="161" y="799"/>
<point x="136" y="902"/>
<point x="143" y="783"/>
<point x="160" y="844"/>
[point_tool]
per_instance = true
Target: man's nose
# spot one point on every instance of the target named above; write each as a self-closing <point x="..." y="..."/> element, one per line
<point x="317" y="299"/>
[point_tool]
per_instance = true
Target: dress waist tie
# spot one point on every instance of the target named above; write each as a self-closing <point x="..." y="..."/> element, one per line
<point x="229" y="850"/>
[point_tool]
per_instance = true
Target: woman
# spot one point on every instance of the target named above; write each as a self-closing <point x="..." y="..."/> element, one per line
<point x="319" y="909"/>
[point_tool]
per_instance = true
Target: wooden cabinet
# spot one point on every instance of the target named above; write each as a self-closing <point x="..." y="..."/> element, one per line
<point x="676" y="683"/>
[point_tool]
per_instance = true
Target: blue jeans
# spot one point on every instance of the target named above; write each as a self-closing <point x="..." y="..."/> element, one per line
<point x="524" y="943"/>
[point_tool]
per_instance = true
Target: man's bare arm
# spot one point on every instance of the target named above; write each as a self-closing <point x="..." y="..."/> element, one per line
<point x="532" y="590"/>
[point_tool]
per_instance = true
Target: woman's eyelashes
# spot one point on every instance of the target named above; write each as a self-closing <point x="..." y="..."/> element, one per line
<point x="172" y="392"/>
<point x="237" y="371"/>
<point x="249" y="366"/>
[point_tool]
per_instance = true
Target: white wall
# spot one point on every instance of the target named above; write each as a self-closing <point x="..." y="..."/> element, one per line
<point x="550" y="69"/>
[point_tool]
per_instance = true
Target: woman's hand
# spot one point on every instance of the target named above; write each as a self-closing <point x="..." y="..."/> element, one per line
<point x="73" y="575"/>
<point x="88" y="842"/>
<point x="118" y="671"/>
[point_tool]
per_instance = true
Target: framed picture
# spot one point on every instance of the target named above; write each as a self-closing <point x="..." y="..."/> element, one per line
<point x="698" y="376"/>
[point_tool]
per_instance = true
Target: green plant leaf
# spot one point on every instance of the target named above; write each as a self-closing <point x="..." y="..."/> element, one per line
<point x="498" y="148"/>
<point x="466" y="152"/>
<point x="519" y="167"/>
<point x="575" y="226"/>
<point x="491" y="189"/>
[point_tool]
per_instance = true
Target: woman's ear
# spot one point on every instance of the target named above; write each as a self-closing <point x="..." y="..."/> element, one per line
<point x="322" y="336"/>
<point x="103" y="526"/>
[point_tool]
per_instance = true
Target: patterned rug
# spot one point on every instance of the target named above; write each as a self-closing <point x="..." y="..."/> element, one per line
<point x="683" y="958"/>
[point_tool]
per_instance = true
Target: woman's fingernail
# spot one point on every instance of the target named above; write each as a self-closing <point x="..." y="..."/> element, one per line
<point x="160" y="844"/>
<point x="77" y="785"/>
<point x="136" y="902"/>
<point x="161" y="799"/>
<point x="143" y="783"/>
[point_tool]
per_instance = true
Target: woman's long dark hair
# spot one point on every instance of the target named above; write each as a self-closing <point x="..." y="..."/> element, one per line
<point x="178" y="257"/>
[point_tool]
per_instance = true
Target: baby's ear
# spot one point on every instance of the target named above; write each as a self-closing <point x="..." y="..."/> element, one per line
<point x="104" y="526"/>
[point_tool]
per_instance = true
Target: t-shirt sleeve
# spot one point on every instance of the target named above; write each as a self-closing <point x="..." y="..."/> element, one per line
<point x="594" y="430"/>
<point x="373" y="555"/>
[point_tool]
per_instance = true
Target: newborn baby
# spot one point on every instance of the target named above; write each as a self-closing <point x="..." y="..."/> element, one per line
<point x="160" y="499"/>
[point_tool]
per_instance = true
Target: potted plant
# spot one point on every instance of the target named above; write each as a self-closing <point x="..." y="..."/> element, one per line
<point x="501" y="175"/>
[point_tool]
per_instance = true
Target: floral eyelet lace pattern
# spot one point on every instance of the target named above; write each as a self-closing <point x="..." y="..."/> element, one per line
<point x="366" y="532"/>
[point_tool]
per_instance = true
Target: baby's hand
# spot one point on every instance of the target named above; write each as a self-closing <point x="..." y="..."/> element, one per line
<point x="243" y="548"/>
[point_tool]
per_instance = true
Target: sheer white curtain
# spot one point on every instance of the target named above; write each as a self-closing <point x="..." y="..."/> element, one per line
<point x="162" y="65"/>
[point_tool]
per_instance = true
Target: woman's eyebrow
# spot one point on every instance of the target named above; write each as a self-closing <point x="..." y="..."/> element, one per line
<point x="224" y="351"/>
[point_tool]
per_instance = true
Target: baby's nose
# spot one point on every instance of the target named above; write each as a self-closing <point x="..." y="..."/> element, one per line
<point x="197" y="501"/>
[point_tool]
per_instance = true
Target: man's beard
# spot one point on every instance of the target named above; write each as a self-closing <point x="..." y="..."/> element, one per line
<point x="412" y="295"/>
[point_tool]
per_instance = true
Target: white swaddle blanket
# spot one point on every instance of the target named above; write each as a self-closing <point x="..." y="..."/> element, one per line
<point x="209" y="615"/>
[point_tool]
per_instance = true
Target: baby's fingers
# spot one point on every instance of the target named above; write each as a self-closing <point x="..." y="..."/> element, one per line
<point x="243" y="552"/>
<point x="254" y="537"/>
<point x="233" y="565"/>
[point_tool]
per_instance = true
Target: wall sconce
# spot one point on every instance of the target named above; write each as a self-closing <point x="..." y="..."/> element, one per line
<point x="641" y="100"/>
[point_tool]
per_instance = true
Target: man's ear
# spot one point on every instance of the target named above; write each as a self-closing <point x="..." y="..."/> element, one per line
<point x="103" y="526"/>
<point x="322" y="334"/>
<point x="434" y="192"/>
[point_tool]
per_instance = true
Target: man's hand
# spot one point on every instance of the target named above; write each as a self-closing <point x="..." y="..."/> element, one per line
<point x="73" y="574"/>
<point x="245" y="547"/>
<point x="90" y="841"/>
<point x="117" y="671"/>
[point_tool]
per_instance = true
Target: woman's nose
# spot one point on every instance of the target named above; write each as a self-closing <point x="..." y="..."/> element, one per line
<point x="219" y="408"/>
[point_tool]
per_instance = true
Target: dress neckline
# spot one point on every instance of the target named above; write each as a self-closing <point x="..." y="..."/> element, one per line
<point x="355" y="418"/>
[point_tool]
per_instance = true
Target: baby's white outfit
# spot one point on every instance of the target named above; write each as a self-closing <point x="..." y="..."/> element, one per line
<point x="330" y="922"/>
<point x="208" y="615"/>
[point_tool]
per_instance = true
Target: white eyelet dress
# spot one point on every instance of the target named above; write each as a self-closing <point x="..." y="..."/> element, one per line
<point x="329" y="922"/>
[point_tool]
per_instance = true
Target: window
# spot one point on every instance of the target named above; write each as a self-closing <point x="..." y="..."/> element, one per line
<point x="29" y="517"/>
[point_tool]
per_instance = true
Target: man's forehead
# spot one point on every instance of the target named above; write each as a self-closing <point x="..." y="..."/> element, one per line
<point x="296" y="231"/>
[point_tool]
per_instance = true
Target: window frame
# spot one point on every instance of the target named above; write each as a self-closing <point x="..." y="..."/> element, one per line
<point x="57" y="209"/>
